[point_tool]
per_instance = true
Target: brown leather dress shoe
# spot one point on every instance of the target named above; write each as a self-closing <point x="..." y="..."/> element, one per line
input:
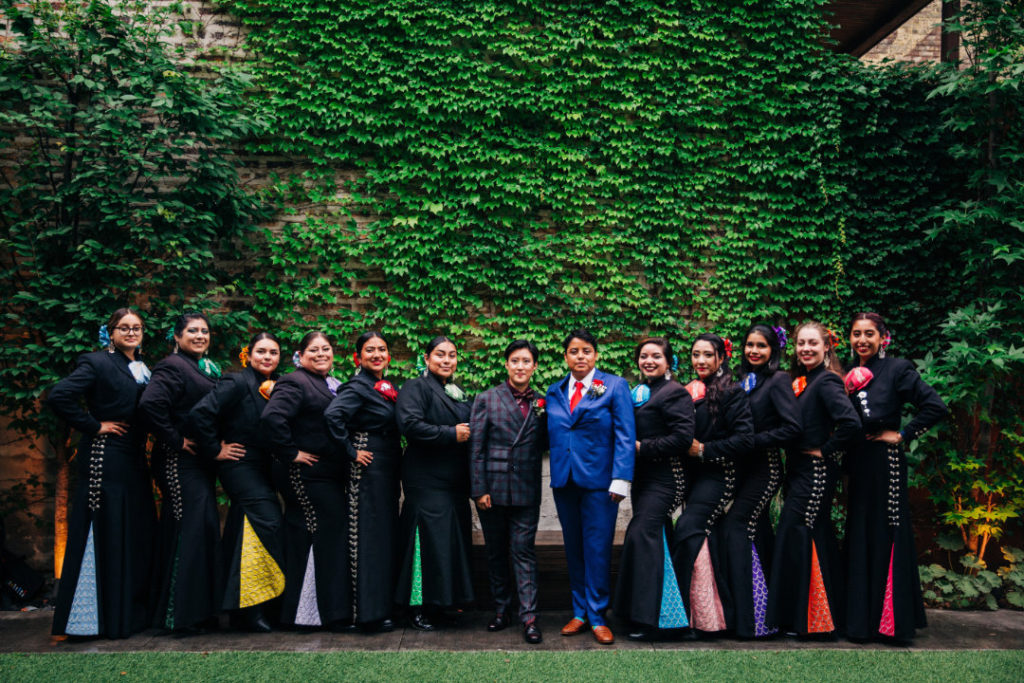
<point x="574" y="627"/>
<point x="603" y="635"/>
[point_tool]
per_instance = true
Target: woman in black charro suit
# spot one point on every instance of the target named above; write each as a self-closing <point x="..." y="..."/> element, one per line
<point x="744" y="540"/>
<point x="433" y="415"/>
<point x="312" y="474"/>
<point x="361" y="419"/>
<point x="647" y="592"/>
<point x="883" y="585"/>
<point x="806" y="589"/>
<point x="225" y="424"/>
<point x="105" y="580"/>
<point x="189" y="586"/>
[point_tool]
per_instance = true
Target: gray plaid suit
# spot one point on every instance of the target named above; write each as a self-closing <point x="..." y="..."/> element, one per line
<point x="505" y="461"/>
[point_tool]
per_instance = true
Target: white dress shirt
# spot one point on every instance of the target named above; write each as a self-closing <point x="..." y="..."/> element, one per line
<point x="618" y="486"/>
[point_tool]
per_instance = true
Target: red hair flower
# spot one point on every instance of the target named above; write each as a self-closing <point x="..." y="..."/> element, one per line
<point x="243" y="356"/>
<point x="355" y="358"/>
<point x="834" y="341"/>
<point x="728" y="347"/>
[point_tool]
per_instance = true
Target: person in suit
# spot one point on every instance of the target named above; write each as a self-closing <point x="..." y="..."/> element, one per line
<point x="361" y="419"/>
<point x="508" y="438"/>
<point x="806" y="591"/>
<point x="723" y="431"/>
<point x="647" y="592"/>
<point x="435" y="523"/>
<point x="744" y="538"/>
<point x="104" y="583"/>
<point x="314" y="489"/>
<point x="189" y="588"/>
<point x="225" y="424"/>
<point x="593" y="445"/>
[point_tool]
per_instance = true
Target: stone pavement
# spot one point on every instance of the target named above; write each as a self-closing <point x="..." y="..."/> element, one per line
<point x="948" y="630"/>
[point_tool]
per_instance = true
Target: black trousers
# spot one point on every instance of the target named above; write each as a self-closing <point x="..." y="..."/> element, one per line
<point x="509" y="533"/>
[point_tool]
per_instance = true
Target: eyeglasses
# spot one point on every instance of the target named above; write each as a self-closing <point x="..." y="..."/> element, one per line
<point x="124" y="329"/>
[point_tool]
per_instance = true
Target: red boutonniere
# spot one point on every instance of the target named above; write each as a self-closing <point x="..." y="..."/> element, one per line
<point x="857" y="379"/>
<point x="597" y="389"/>
<point x="386" y="389"/>
<point x="799" y="384"/>
<point x="266" y="387"/>
<point x="539" y="406"/>
<point x="697" y="390"/>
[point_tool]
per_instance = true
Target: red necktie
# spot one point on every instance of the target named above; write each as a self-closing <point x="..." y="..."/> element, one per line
<point x="577" y="394"/>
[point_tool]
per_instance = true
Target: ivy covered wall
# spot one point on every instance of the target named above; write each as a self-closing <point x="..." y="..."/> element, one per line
<point x="522" y="168"/>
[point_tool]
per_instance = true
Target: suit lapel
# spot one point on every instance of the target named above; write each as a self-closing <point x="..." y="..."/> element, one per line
<point x="116" y="362"/>
<point x="585" y="402"/>
<point x="512" y="407"/>
<point x="319" y="383"/>
<point x="447" y="401"/>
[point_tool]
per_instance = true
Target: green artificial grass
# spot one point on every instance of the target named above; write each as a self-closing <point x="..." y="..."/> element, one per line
<point x="796" y="667"/>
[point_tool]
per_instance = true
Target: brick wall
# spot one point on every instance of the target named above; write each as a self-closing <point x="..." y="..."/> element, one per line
<point x="917" y="40"/>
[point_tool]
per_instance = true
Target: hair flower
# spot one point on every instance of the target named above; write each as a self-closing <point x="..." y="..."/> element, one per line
<point x="421" y="366"/>
<point x="170" y="334"/>
<point x="597" y="389"/>
<point x="539" y="407"/>
<point x="243" y="356"/>
<point x="780" y="332"/>
<point x="386" y="389"/>
<point x="296" y="359"/>
<point x="697" y="390"/>
<point x="355" y="358"/>
<point x="674" y="367"/>
<point x="834" y="340"/>
<point x="728" y="347"/>
<point x="887" y="340"/>
<point x="799" y="384"/>
<point x="104" y="336"/>
<point x="266" y="387"/>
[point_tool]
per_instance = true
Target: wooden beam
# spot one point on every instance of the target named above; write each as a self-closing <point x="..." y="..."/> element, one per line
<point x="895" y="15"/>
<point x="950" y="39"/>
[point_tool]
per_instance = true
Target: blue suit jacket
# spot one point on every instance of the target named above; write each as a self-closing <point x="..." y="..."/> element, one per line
<point x="597" y="442"/>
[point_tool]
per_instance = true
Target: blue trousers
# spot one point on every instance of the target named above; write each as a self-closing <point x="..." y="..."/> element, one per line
<point x="588" y="528"/>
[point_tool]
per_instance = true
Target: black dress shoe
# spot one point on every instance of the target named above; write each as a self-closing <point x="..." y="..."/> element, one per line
<point x="531" y="632"/>
<point x="500" y="622"/>
<point x="418" y="620"/>
<point x="379" y="626"/>
<point x="250" y="620"/>
<point x="643" y="633"/>
<point x="386" y="626"/>
<point x="342" y="626"/>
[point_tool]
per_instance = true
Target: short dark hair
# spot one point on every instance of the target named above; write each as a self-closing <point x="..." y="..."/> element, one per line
<point x="185" y="318"/>
<point x="260" y="336"/>
<point x="308" y="338"/>
<point x="522" y="344"/>
<point x="770" y="336"/>
<point x="581" y="334"/>
<point x="367" y="336"/>
<point x="437" y="341"/>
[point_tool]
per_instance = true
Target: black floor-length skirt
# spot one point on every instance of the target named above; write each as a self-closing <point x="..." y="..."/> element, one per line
<point x="744" y="543"/>
<point x="805" y="591"/>
<point x="317" y="590"/>
<point x="108" y="561"/>
<point x="434" y="569"/>
<point x="647" y="591"/>
<point x="253" y="543"/>
<point x="883" y="585"/>
<point x="189" y="573"/>
<point x="373" y="493"/>
<point x="710" y="490"/>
